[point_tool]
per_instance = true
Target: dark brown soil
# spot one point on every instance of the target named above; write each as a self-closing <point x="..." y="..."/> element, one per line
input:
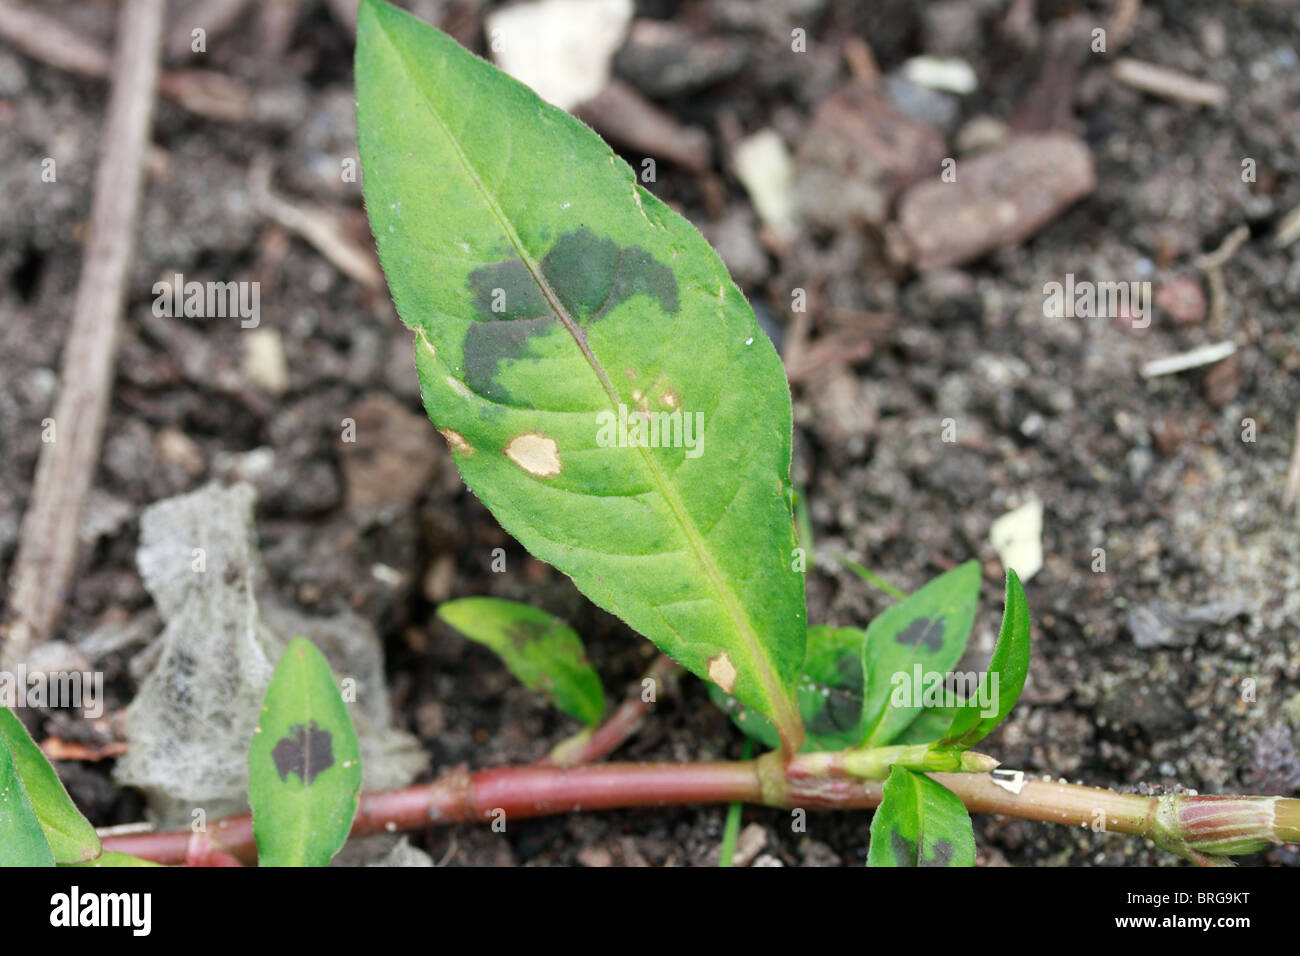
<point x="1143" y="674"/>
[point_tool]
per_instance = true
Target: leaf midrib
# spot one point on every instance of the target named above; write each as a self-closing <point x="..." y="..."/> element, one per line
<point x="780" y="701"/>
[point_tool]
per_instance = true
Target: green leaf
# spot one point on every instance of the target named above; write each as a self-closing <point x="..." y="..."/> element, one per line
<point x="304" y="765"/>
<point x="731" y="829"/>
<point x="112" y="858"/>
<point x="1004" y="678"/>
<point x="69" y="834"/>
<point x="923" y="636"/>
<point x="920" y="823"/>
<point x="541" y="650"/>
<point x="22" y="841"/>
<point x="929" y="725"/>
<point x="603" y="384"/>
<point x="830" y="693"/>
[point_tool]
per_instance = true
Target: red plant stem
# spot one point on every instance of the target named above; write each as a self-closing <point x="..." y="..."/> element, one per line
<point x="461" y="797"/>
<point x="532" y="791"/>
<point x="625" y="721"/>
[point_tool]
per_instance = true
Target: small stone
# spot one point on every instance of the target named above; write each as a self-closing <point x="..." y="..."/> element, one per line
<point x="1017" y="537"/>
<point x="815" y="853"/>
<point x="174" y="447"/>
<point x="1222" y="381"/>
<point x="858" y="154"/>
<point x="663" y="58"/>
<point x="1000" y="198"/>
<point x="749" y="844"/>
<point x="1182" y="299"/>
<point x="946" y="74"/>
<point x="560" y="48"/>
<point x="595" y="856"/>
<point x="439" y="579"/>
<point x="393" y="458"/>
<point x="981" y="133"/>
<point x="57" y="657"/>
<point x="1168" y="435"/>
<point x="922" y="104"/>
<point x="764" y="167"/>
<point x="264" y="363"/>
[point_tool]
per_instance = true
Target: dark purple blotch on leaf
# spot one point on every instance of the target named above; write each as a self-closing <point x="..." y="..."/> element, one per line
<point x="307" y="751"/>
<point x="904" y="849"/>
<point x="523" y="633"/>
<point x="924" y="631"/>
<point x="843" y="700"/>
<point x="587" y="273"/>
<point x="905" y="854"/>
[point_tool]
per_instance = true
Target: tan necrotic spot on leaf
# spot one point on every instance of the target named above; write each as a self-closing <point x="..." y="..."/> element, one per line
<point x="722" y="672"/>
<point x="535" y="453"/>
<point x="456" y="440"/>
<point x="670" y="399"/>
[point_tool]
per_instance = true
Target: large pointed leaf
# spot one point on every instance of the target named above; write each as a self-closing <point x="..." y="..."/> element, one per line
<point x="1003" y="680"/>
<point x="603" y="385"/>
<point x="71" y="837"/>
<point x="304" y="765"/>
<point x="914" y="644"/>
<point x="22" y="842"/>
<point x="920" y="823"/>
<point x="540" y="649"/>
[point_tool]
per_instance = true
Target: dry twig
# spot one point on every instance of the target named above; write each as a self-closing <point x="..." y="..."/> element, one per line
<point x="47" y="550"/>
<point x="1169" y="84"/>
<point x="318" y="226"/>
<point x="1292" y="491"/>
<point x="1212" y="264"/>
<point x="205" y="92"/>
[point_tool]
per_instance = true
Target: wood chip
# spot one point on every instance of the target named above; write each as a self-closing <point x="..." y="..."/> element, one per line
<point x="1000" y="198"/>
<point x="1169" y="84"/>
<point x="1183" y="361"/>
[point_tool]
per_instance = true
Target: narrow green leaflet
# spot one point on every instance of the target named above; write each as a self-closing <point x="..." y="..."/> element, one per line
<point x="112" y="858"/>
<point x="602" y="383"/>
<point x="920" y="823"/>
<point x="22" y="842"/>
<point x="1004" y="678"/>
<point x="541" y="650"/>
<point x="69" y="834"/>
<point x="874" y="579"/>
<point x="830" y="693"/>
<point x="910" y="649"/>
<point x="304" y="765"/>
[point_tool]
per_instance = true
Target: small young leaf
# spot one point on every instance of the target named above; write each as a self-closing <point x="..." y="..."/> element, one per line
<point x="304" y="765"/>
<point x="112" y="858"/>
<point x="924" y="635"/>
<point x="920" y="823"/>
<point x="70" y="835"/>
<point x="830" y="693"/>
<point x="603" y="385"/>
<point x="22" y="841"/>
<point x="541" y="650"/>
<point x="1004" y="678"/>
